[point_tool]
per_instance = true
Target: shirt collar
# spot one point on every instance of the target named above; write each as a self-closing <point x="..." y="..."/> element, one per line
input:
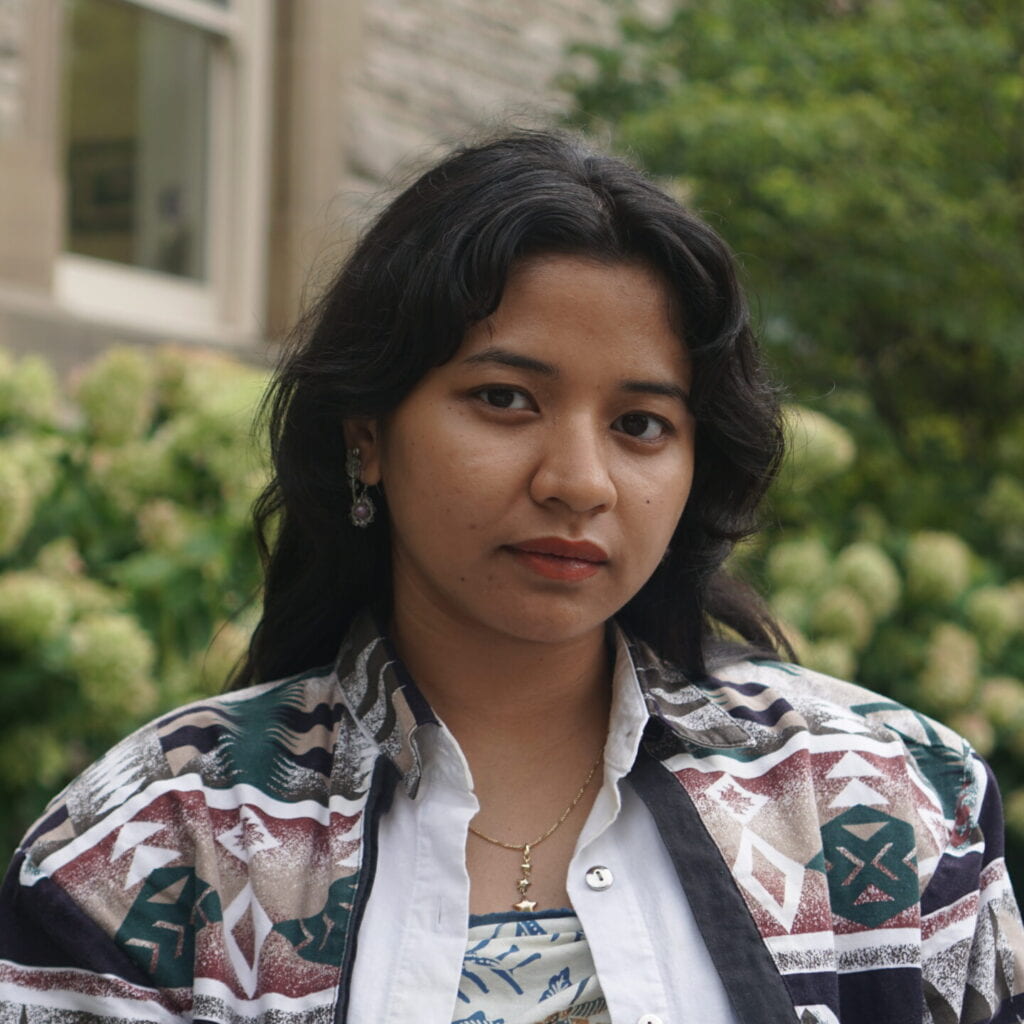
<point x="390" y="711"/>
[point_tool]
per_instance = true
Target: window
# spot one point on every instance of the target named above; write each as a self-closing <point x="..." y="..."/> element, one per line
<point x="165" y="120"/>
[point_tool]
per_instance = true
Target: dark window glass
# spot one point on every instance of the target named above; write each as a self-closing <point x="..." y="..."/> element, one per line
<point x="136" y="103"/>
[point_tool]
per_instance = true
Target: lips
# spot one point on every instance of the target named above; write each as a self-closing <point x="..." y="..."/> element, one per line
<point x="558" y="559"/>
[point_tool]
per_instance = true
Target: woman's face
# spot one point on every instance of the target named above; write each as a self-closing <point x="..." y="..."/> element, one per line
<point x="535" y="479"/>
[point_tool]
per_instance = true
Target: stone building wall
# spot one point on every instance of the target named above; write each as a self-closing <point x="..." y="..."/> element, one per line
<point x="414" y="77"/>
<point x="13" y="20"/>
<point x="429" y="72"/>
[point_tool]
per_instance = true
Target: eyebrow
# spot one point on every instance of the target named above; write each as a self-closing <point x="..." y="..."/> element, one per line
<point x="505" y="358"/>
<point x="656" y="387"/>
<point x="502" y="357"/>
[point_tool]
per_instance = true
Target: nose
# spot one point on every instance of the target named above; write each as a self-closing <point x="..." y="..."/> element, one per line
<point x="573" y="469"/>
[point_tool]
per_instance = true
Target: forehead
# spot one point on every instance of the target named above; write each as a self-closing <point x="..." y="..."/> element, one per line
<point x="574" y="310"/>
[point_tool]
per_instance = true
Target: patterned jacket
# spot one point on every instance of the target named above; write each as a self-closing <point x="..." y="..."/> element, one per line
<point x="215" y="864"/>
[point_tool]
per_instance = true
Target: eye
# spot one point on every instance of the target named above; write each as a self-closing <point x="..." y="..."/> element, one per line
<point x="641" y="425"/>
<point x="504" y="398"/>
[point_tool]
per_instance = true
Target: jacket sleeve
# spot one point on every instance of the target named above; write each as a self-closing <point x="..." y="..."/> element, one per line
<point x="972" y="939"/>
<point x="58" y="965"/>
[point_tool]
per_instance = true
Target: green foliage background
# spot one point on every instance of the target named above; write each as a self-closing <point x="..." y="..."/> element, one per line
<point x="865" y="158"/>
<point x="126" y="559"/>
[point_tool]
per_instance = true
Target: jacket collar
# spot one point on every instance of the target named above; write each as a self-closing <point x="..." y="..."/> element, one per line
<point x="390" y="711"/>
<point x="686" y="708"/>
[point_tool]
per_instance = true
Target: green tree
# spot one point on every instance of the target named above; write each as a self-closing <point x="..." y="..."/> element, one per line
<point x="866" y="160"/>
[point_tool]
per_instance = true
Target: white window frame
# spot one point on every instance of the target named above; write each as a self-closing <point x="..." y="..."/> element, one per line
<point x="230" y="305"/>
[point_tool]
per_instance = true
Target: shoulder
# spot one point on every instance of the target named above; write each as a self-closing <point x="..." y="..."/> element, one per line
<point x="217" y="824"/>
<point x="861" y="748"/>
<point x="275" y="738"/>
<point x="789" y="697"/>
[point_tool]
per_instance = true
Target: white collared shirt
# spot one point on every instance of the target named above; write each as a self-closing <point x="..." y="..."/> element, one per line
<point x="651" y="962"/>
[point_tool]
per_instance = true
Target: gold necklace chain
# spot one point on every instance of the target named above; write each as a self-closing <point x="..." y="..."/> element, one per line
<point x="526" y="849"/>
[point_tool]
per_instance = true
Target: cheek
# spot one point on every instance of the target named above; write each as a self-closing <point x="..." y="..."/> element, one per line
<point x="663" y="496"/>
<point x="449" y="473"/>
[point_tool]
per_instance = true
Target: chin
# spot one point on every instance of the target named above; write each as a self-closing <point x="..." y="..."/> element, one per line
<point x="547" y="622"/>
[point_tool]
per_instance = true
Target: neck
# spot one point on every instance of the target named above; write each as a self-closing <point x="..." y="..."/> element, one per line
<point x="499" y="694"/>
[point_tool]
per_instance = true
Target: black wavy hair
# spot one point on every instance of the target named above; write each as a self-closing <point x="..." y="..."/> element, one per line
<point x="431" y="265"/>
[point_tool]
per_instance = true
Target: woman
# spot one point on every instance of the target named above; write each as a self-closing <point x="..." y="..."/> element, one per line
<point x="513" y="446"/>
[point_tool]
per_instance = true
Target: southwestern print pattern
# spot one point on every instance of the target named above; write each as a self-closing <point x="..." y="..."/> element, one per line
<point x="211" y="865"/>
<point x="873" y="877"/>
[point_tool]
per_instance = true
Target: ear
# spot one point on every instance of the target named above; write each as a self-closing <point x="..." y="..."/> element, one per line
<point x="363" y="432"/>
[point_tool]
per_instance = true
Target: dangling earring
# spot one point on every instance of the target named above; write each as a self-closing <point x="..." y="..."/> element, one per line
<point x="362" y="511"/>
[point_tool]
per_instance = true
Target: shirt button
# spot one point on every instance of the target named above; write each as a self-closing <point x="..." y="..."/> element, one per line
<point x="649" y="1018"/>
<point x="600" y="878"/>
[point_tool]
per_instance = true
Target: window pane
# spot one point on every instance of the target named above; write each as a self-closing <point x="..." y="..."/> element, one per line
<point x="136" y="96"/>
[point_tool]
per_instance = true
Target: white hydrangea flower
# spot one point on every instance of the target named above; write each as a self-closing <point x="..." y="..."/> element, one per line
<point x="818" y="448"/>
<point x="117" y="395"/>
<point x="34" y="610"/>
<point x="1002" y="702"/>
<point x="802" y="562"/>
<point x="791" y="605"/>
<point x="868" y="570"/>
<point x="949" y="679"/>
<point x="833" y="657"/>
<point x="60" y="558"/>
<point x="113" y="658"/>
<point x="38" y="456"/>
<point x="842" y="614"/>
<point x="992" y="612"/>
<point x="162" y="525"/>
<point x="17" y="504"/>
<point x="36" y="391"/>
<point x="938" y="567"/>
<point x="133" y="472"/>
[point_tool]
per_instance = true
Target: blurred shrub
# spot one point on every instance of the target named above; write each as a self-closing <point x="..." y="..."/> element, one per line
<point x="126" y="563"/>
